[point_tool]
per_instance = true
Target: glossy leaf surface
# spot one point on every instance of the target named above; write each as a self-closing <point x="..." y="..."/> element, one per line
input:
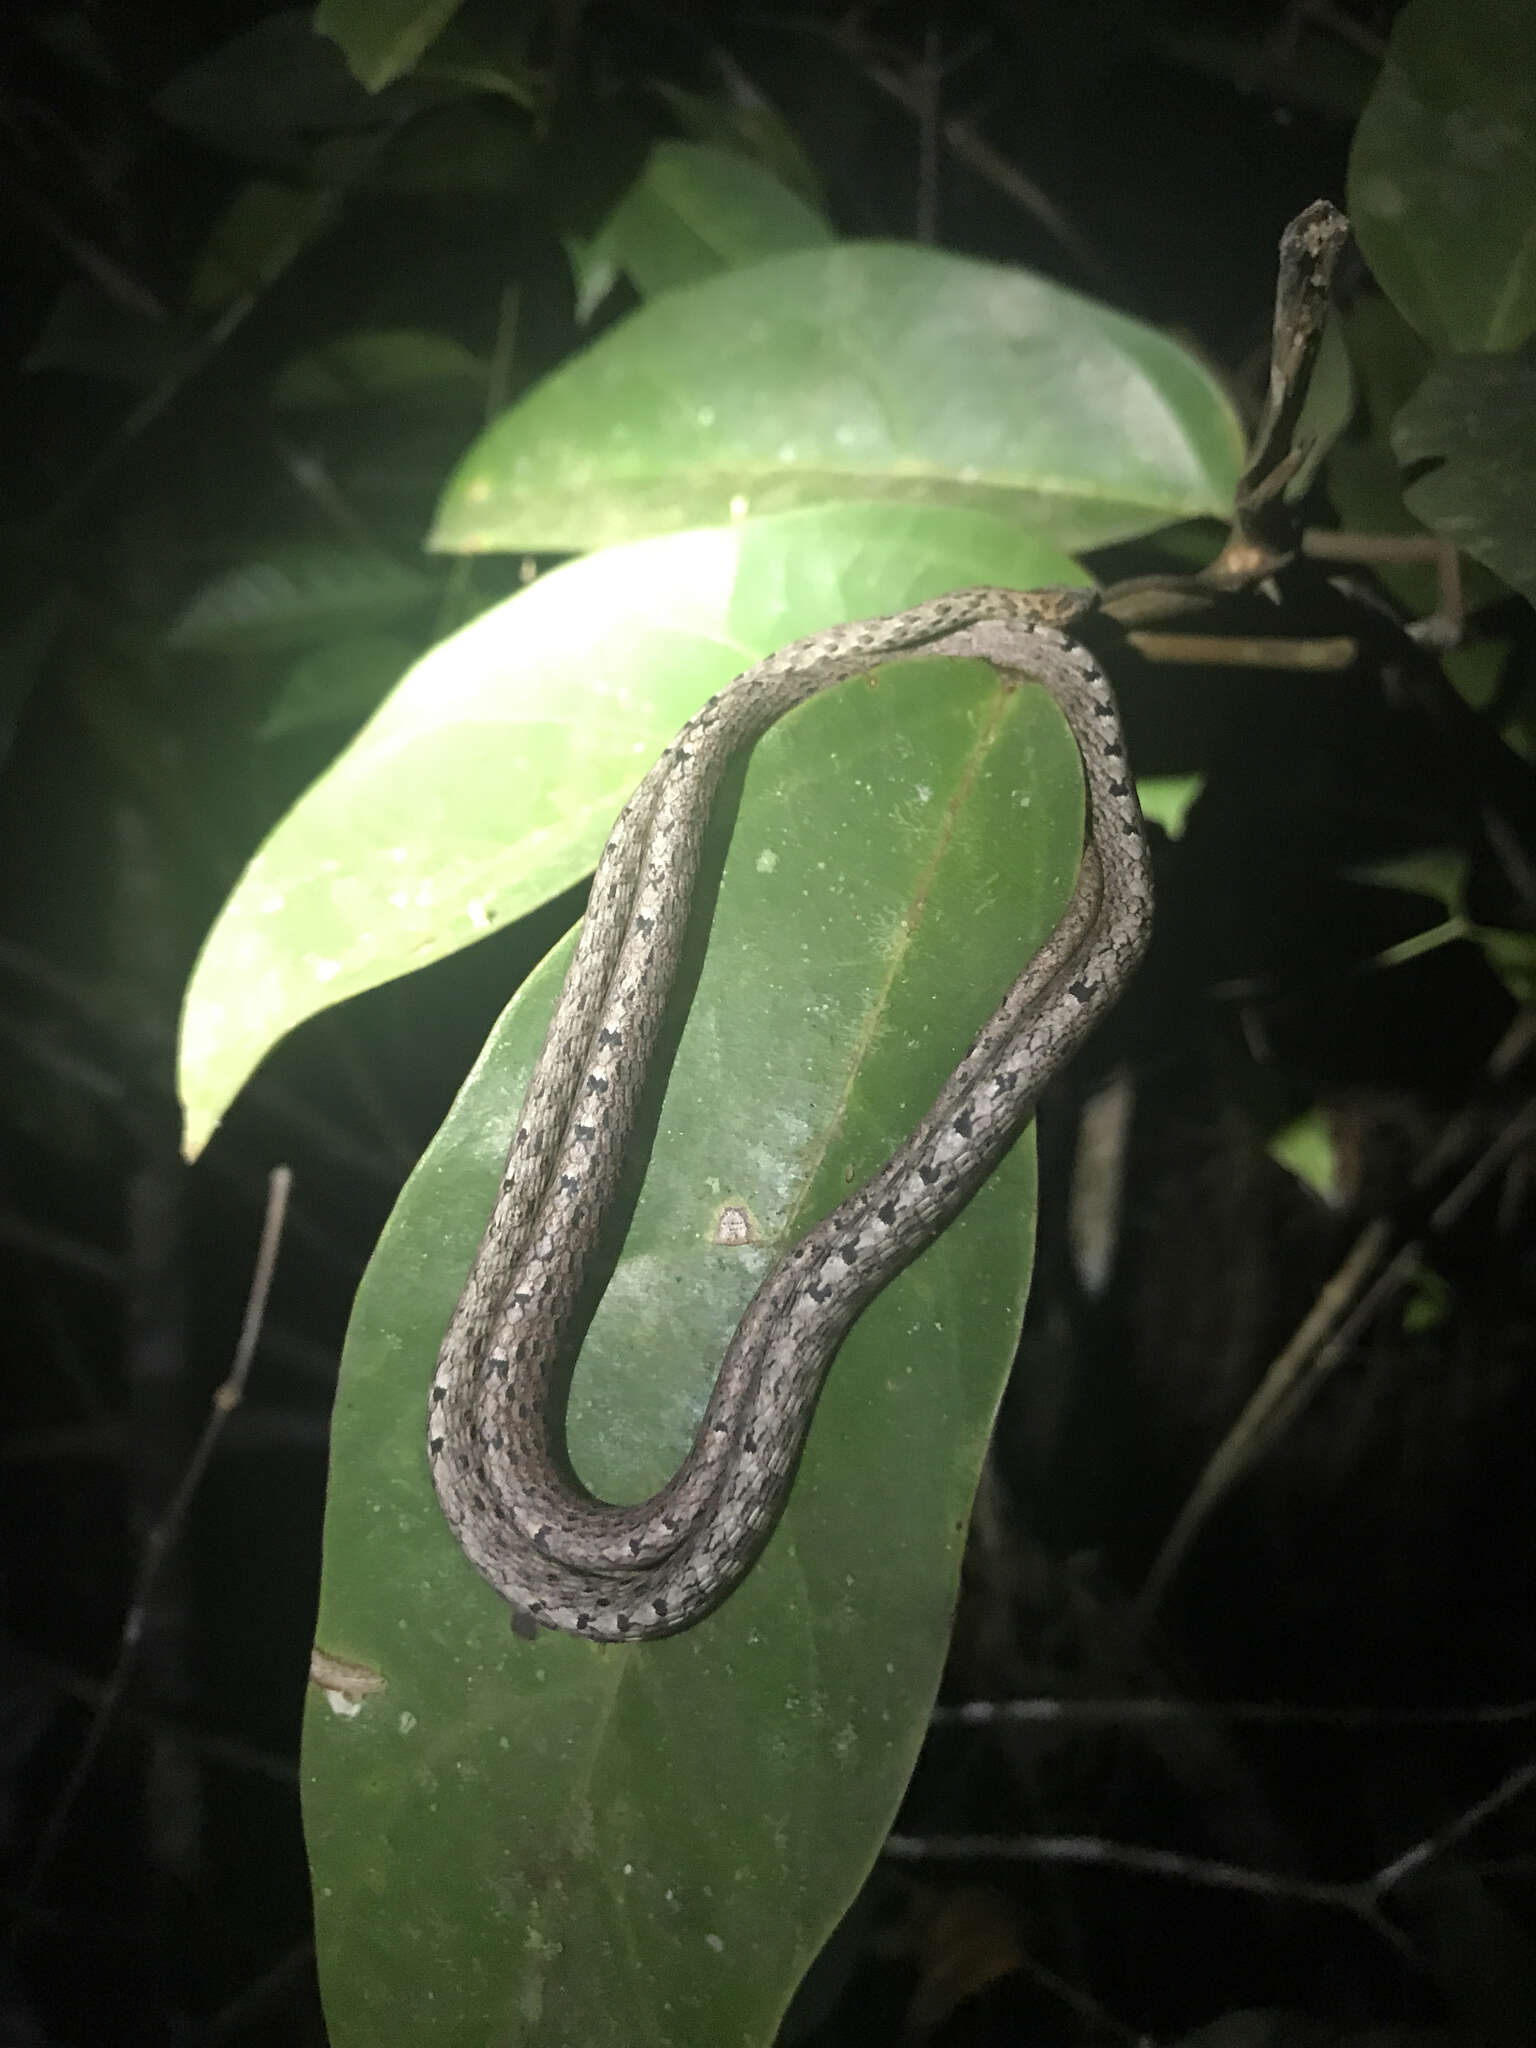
<point x="869" y="371"/>
<point x="489" y="779"/>
<point x="562" y="1841"/>
<point x="1442" y="172"/>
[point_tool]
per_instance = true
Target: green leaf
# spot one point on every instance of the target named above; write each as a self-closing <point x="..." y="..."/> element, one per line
<point x="268" y="92"/>
<point x="1442" y="172"/>
<point x="490" y="53"/>
<point x="465" y="146"/>
<point x="647" y="1844"/>
<point x="739" y="119"/>
<point x="867" y="371"/>
<point x="1306" y="1149"/>
<point x="1474" y="420"/>
<point x="1429" y="1301"/>
<point x="1167" y="800"/>
<point x="291" y="594"/>
<point x="1440" y="873"/>
<point x="388" y="362"/>
<point x="262" y="230"/>
<point x="1388" y="359"/>
<point x="594" y="273"/>
<point x="1512" y="956"/>
<point x="489" y="780"/>
<point x="694" y="211"/>
<point x="382" y="39"/>
<point x="1479" y="672"/>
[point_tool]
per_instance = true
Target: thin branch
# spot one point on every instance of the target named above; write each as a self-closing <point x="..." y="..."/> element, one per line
<point x="1514" y="1786"/>
<point x="972" y="149"/>
<point x="1231" y="650"/>
<point x="1345" y="1307"/>
<point x="975" y="151"/>
<point x="1310" y="249"/>
<point x="1365" y="1898"/>
<point x="1239" y="1448"/>
<point x="1128" y="1712"/>
<point x="1080" y="2002"/>
<point x="1093" y="1852"/>
<point x="163" y="1536"/>
<point x="1443" y="627"/>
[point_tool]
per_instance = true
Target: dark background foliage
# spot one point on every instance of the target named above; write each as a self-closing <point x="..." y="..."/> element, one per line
<point x="1381" y="1556"/>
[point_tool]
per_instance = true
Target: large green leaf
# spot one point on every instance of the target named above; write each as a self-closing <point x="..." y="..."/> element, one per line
<point x="562" y="1841"/>
<point x="488" y="780"/>
<point x="1442" y="172"/>
<point x="870" y="371"/>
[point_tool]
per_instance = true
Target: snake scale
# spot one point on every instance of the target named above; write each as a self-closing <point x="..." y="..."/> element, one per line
<point x="560" y="1557"/>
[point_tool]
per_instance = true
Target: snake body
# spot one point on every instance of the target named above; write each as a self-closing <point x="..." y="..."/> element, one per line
<point x="560" y="1557"/>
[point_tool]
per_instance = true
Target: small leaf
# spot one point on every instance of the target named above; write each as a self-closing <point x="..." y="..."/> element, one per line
<point x="474" y="145"/>
<point x="292" y="594"/>
<point x="263" y="229"/>
<point x="382" y="39"/>
<point x="1512" y="956"/>
<point x="1440" y="874"/>
<point x="1167" y="800"/>
<point x="1306" y="1149"/>
<point x="694" y="211"/>
<point x="388" y="362"/>
<point x="594" y="273"/>
<point x="738" y="119"/>
<point x="861" y="372"/>
<point x="1428" y="1303"/>
<point x="1442" y="172"/>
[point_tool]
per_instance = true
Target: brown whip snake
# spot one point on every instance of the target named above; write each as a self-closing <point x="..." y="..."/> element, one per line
<point x="559" y="1556"/>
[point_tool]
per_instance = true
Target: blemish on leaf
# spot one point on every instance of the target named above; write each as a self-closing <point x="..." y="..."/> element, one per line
<point x="734" y="1225"/>
<point x="346" y="1685"/>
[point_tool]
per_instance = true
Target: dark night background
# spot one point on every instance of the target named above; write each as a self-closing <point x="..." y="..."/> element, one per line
<point x="1380" y="1556"/>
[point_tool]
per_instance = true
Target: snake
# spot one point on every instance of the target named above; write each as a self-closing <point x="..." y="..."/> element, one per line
<point x="560" y="1557"/>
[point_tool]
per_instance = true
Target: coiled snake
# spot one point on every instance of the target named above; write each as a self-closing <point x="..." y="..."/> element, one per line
<point x="561" y="1558"/>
